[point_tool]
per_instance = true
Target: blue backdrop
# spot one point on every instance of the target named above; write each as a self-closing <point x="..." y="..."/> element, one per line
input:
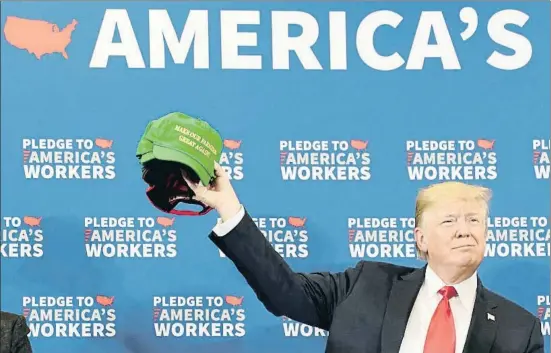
<point x="328" y="151"/>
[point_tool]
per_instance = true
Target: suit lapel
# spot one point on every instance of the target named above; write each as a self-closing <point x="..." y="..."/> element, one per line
<point x="400" y="303"/>
<point x="483" y="326"/>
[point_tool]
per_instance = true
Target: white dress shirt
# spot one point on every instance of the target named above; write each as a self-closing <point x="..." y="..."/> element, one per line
<point x="425" y="304"/>
<point x="224" y="228"/>
<point x="427" y="300"/>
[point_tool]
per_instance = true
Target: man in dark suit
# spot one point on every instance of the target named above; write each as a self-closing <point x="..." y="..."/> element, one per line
<point x="14" y="334"/>
<point x="378" y="307"/>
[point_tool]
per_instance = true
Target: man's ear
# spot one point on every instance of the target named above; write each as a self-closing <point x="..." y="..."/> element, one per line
<point x="420" y="239"/>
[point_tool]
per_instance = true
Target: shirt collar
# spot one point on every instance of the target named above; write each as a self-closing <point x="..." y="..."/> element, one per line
<point x="466" y="290"/>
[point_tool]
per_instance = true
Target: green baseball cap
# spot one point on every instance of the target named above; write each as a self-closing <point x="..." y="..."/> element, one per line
<point x="178" y="137"/>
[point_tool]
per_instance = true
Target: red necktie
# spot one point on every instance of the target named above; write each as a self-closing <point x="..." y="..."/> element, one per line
<point x="441" y="334"/>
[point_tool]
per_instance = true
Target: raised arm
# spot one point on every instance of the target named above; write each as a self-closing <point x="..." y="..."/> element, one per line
<point x="307" y="298"/>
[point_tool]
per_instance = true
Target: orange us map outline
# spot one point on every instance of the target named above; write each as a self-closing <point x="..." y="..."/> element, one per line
<point x="38" y="37"/>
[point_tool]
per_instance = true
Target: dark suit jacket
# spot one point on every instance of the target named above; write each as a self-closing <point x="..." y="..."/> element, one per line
<point x="13" y="334"/>
<point x="366" y="308"/>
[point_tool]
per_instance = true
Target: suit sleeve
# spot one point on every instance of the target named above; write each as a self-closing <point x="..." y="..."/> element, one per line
<point x="20" y="339"/>
<point x="535" y="344"/>
<point x="307" y="298"/>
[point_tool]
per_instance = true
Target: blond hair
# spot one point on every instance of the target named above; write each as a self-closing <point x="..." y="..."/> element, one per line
<point x="447" y="190"/>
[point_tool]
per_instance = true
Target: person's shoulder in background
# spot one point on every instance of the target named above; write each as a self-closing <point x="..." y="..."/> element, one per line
<point x="14" y="333"/>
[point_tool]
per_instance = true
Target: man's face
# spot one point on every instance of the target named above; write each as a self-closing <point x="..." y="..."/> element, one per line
<point x="453" y="232"/>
